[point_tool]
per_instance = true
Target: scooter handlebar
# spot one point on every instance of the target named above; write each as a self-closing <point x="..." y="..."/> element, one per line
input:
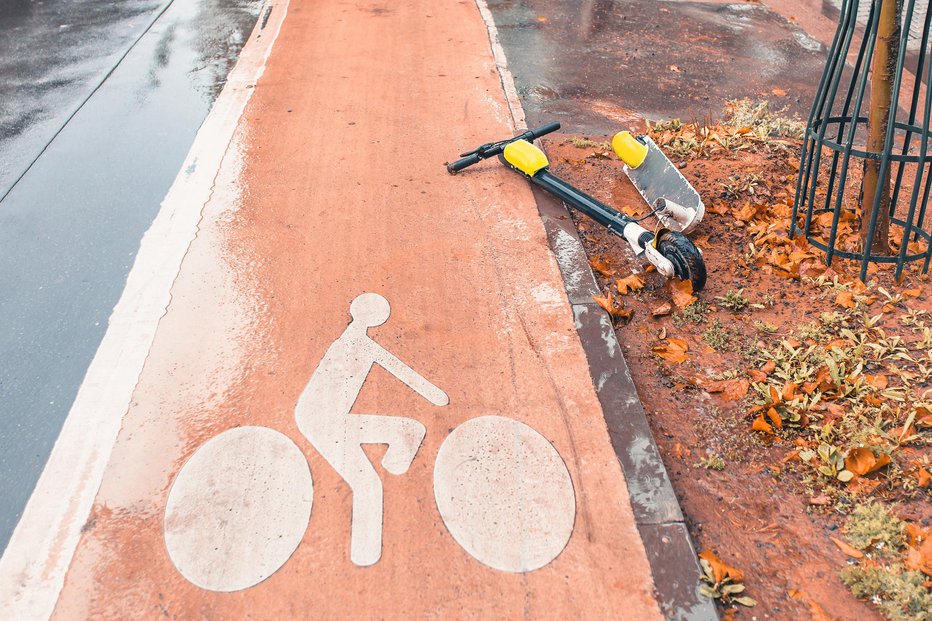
<point x="495" y="148"/>
<point x="543" y="130"/>
<point x="463" y="162"/>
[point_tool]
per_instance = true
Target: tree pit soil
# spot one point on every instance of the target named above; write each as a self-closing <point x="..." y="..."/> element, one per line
<point x="762" y="513"/>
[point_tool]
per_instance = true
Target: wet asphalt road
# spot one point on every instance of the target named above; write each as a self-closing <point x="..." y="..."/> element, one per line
<point x="52" y="56"/>
<point x="101" y="102"/>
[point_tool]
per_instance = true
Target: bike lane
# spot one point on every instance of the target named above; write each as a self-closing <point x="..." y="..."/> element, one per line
<point x="332" y="187"/>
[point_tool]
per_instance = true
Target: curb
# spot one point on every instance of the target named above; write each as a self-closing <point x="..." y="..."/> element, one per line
<point x="657" y="512"/>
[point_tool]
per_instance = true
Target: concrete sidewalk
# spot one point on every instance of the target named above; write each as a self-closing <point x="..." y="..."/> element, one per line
<point x="333" y="239"/>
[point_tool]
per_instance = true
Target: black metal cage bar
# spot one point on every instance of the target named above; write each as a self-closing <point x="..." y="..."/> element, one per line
<point x="835" y="147"/>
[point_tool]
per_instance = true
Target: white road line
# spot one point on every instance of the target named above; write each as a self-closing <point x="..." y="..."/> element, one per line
<point x="501" y="63"/>
<point x="33" y="568"/>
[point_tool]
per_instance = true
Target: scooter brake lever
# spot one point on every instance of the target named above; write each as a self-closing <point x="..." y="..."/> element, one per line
<point x="484" y="150"/>
<point x="480" y="149"/>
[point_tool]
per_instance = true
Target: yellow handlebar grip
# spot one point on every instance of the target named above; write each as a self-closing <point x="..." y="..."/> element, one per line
<point x="629" y="149"/>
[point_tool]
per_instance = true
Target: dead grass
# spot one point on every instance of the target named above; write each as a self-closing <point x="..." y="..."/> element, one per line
<point x="747" y="125"/>
<point x="764" y="122"/>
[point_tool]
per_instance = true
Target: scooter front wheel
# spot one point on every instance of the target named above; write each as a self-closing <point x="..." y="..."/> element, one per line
<point x="685" y="257"/>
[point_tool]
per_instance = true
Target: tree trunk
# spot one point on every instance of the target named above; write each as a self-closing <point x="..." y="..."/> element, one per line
<point x="883" y="71"/>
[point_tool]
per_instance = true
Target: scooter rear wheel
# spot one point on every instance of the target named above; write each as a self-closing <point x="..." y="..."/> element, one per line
<point x="685" y="257"/>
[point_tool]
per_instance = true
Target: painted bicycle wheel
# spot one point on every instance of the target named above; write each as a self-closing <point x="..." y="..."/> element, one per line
<point x="238" y="509"/>
<point x="504" y="494"/>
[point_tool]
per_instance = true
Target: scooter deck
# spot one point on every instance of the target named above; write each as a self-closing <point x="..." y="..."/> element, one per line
<point x="656" y="177"/>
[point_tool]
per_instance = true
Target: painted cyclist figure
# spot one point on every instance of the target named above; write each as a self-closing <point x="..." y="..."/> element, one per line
<point x="323" y="416"/>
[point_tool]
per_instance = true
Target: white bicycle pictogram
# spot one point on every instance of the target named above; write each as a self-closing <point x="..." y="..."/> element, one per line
<point x="240" y="506"/>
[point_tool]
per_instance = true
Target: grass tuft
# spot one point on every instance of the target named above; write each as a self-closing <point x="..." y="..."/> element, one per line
<point x="897" y="593"/>
<point x="873" y="525"/>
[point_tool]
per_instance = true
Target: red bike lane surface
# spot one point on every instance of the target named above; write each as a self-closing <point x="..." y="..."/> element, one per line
<point x="334" y="186"/>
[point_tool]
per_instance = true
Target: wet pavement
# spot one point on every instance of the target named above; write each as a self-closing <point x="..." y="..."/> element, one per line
<point x="52" y="56"/>
<point x="599" y="65"/>
<point x="283" y="337"/>
<point x="71" y="226"/>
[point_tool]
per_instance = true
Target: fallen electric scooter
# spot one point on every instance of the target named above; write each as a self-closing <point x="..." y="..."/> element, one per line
<point x="668" y="249"/>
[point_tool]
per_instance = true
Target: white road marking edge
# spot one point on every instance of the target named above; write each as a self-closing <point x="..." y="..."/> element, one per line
<point x="501" y="63"/>
<point x="34" y="565"/>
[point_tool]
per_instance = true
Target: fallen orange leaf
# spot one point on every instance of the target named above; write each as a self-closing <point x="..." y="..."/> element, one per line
<point x="862" y="461"/>
<point x="789" y="391"/>
<point x="681" y="451"/>
<point x="731" y="389"/>
<point x="673" y="350"/>
<point x="838" y="344"/>
<point x="924" y="478"/>
<point x="720" y="569"/>
<point x="774" y="417"/>
<point x="877" y="381"/>
<point x="903" y="433"/>
<point x="748" y="212"/>
<point x="775" y="398"/>
<point x="860" y="485"/>
<point x="778" y="92"/>
<point x="608" y="303"/>
<point x="847" y="549"/>
<point x="629" y="283"/>
<point x="682" y="292"/>
<point x="915" y="534"/>
<point x="719" y="208"/>
<point x="845" y="299"/>
<point x="601" y="266"/>
<point x="923" y="417"/>
<point x="920" y="558"/>
<point x="761" y="425"/>
<point x="825" y="219"/>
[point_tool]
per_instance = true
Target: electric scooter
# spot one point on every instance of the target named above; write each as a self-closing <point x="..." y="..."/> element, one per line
<point x="669" y="250"/>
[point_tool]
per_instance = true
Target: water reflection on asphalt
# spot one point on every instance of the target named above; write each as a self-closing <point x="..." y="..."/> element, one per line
<point x="599" y="64"/>
<point x="53" y="54"/>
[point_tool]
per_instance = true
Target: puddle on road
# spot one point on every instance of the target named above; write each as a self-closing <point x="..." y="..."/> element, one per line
<point x="592" y="64"/>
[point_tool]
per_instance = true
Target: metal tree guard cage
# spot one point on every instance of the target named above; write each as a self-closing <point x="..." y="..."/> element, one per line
<point x="829" y="181"/>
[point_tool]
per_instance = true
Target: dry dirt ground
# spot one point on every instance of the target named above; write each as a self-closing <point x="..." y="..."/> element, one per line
<point x="785" y="394"/>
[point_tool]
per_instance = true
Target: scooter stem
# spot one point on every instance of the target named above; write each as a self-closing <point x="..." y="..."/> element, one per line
<point x="639" y="238"/>
<point x="608" y="217"/>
